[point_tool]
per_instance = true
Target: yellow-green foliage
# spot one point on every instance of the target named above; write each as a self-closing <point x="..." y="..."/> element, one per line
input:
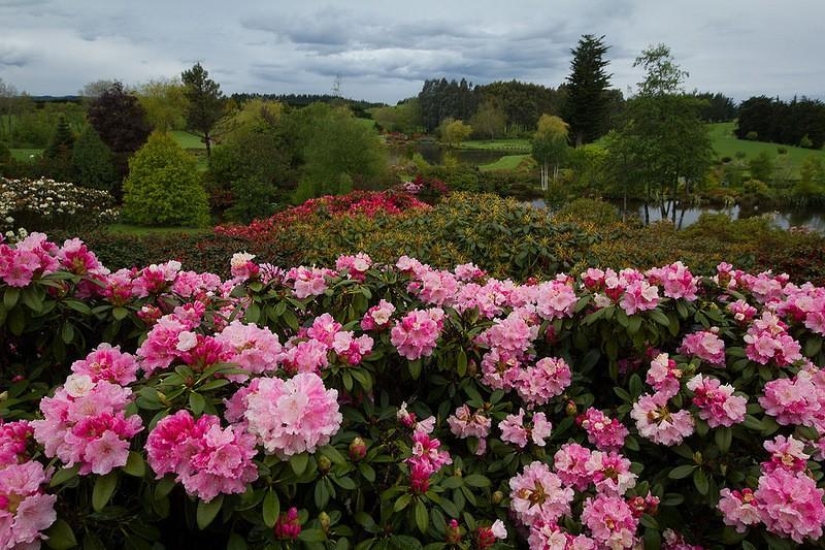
<point x="503" y="236"/>
<point x="163" y="187"/>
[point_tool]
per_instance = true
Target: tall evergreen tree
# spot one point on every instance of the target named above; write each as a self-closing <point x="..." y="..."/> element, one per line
<point x="207" y="104"/>
<point x="587" y="108"/>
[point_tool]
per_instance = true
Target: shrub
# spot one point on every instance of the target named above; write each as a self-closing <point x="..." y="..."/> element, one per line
<point x="92" y="164"/>
<point x="403" y="406"/>
<point x="163" y="187"/>
<point x="44" y="205"/>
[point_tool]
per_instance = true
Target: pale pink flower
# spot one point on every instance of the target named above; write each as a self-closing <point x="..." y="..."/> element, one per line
<point x="794" y="401"/>
<point x="537" y="494"/>
<point x="556" y="299"/>
<point x="639" y="296"/>
<point x="539" y="383"/>
<point x="716" y="401"/>
<point x="108" y="363"/>
<point x="610" y="473"/>
<point x="465" y="423"/>
<point x="254" y="349"/>
<point x="378" y="317"/>
<point x="518" y="432"/>
<point x="656" y="422"/>
<point x="415" y="335"/>
<point x="291" y="416"/>
<point x="610" y="521"/>
<point x="705" y="345"/>
<point x="677" y="281"/>
<point x="788" y="453"/>
<point x="664" y="375"/>
<point x="570" y="462"/>
<point x="602" y="431"/>
<point x="790" y="505"/>
<point x="547" y="535"/>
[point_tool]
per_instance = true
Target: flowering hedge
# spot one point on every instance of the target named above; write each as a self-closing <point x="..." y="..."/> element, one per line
<point x="376" y="406"/>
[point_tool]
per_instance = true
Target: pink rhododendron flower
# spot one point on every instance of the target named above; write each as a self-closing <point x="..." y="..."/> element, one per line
<point x="288" y="526"/>
<point x="355" y="267"/>
<point x="676" y="279"/>
<point x="547" y="535"/>
<point x="537" y="494"/>
<point x="465" y="423"/>
<point x="155" y="279"/>
<point x="25" y="510"/>
<point x="468" y="272"/>
<point x="350" y="349"/>
<point x="160" y="348"/>
<point x="242" y="267"/>
<point x="378" y="317"/>
<point x="304" y="356"/>
<point x="790" y="505"/>
<point x="656" y="422"/>
<point x="610" y="473"/>
<point x="539" y="383"/>
<point x="291" y="416"/>
<point x="434" y="287"/>
<point x="323" y="329"/>
<point x="415" y="335"/>
<point x="108" y="363"/>
<point x="639" y="296"/>
<point x="675" y="541"/>
<point x="743" y="313"/>
<point x="706" y="345"/>
<point x="426" y="455"/>
<point x="767" y="340"/>
<point x="556" y="299"/>
<point x="511" y="335"/>
<point x="603" y="432"/>
<point x="664" y="375"/>
<point x="518" y="432"/>
<point x="254" y="349"/>
<point x="14" y="442"/>
<point x="610" y="521"/>
<point x="501" y="369"/>
<point x="207" y="459"/>
<point x="716" y="401"/>
<point x="84" y="423"/>
<point x="308" y="281"/>
<point x="788" y="453"/>
<point x="570" y="462"/>
<point x="794" y="401"/>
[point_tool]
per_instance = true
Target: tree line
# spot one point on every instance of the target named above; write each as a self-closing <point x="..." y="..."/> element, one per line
<point x="799" y="122"/>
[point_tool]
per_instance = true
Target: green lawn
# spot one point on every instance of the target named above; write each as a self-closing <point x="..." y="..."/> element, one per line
<point x="520" y="145"/>
<point x="25" y="154"/>
<point x="187" y="140"/>
<point x="508" y="162"/>
<point x="726" y="144"/>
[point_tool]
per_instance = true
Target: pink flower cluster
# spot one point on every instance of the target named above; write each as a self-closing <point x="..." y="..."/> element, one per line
<point x="537" y="494"/>
<point x="434" y="287"/>
<point x="15" y="438"/>
<point x="768" y="340"/>
<point x="308" y="281"/>
<point x="426" y="459"/>
<point x="288" y="417"/>
<point x="518" y="432"/>
<point x="602" y="431"/>
<point x="556" y="299"/>
<point x="716" y="401"/>
<point x="32" y="257"/>
<point x="465" y="423"/>
<point x="355" y="267"/>
<point x="676" y="280"/>
<point x="541" y="382"/>
<point x="378" y="317"/>
<point x="415" y="335"/>
<point x="664" y="375"/>
<point x="109" y="364"/>
<point x="25" y="509"/>
<point x="288" y="526"/>
<point x="242" y="268"/>
<point x="85" y="424"/>
<point x="706" y="345"/>
<point x="253" y="349"/>
<point x="656" y="422"/>
<point x="798" y="400"/>
<point x="611" y="521"/>
<point x="207" y="459"/>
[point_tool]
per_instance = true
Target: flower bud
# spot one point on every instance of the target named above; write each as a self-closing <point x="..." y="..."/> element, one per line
<point x="4" y="396"/>
<point x="323" y="518"/>
<point x="324" y="464"/>
<point x="453" y="535"/>
<point x="472" y="368"/>
<point x="570" y="409"/>
<point x="498" y="496"/>
<point x="357" y="449"/>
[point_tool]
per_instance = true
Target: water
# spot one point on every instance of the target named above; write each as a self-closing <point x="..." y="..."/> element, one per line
<point x="803" y="217"/>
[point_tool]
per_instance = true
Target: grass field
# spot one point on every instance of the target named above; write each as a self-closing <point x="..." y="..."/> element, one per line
<point x="726" y="144"/>
<point x="25" y="154"/>
<point x="187" y="140"/>
<point x="521" y="145"/>
<point x="507" y="162"/>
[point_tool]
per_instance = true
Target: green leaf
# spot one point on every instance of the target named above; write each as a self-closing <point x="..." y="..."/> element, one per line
<point x="461" y="363"/>
<point x="253" y="313"/>
<point x="196" y="403"/>
<point x="422" y="519"/>
<point x="321" y="494"/>
<point x="681" y="472"/>
<point x="345" y="483"/>
<point x="208" y="511"/>
<point x="659" y="317"/>
<point x="813" y="346"/>
<point x="103" y="490"/>
<point x="367" y="471"/>
<point x="11" y="296"/>
<point x="120" y="313"/>
<point x="476" y="480"/>
<point x="415" y="369"/>
<point x="312" y="535"/>
<point x="723" y="437"/>
<point x="333" y="454"/>
<point x="61" y="536"/>
<point x="271" y="508"/>
<point x="67" y="333"/>
<point x="299" y="463"/>
<point x="634" y="323"/>
<point x="92" y="542"/>
<point x="236" y="542"/>
<point x="700" y="479"/>
<point x="63" y="475"/>
<point x="135" y="465"/>
<point x="402" y="502"/>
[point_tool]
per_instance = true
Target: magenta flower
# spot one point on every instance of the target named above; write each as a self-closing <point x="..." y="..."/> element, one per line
<point x="716" y="401"/>
<point x="610" y="521"/>
<point x="415" y="335"/>
<point x="537" y="494"/>
<point x="790" y="504"/>
<point x="602" y="431"/>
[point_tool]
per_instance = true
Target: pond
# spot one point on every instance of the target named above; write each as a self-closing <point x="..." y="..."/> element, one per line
<point x="812" y="218"/>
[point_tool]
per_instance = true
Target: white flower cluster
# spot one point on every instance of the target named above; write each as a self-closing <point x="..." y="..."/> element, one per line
<point x="45" y="204"/>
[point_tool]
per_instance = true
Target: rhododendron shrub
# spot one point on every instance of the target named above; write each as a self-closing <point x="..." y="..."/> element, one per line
<point x="402" y="406"/>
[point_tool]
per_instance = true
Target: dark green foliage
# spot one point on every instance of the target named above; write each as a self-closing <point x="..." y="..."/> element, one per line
<point x="119" y="120"/>
<point x="586" y="108"/>
<point x="61" y="142"/>
<point x="717" y="108"/>
<point x="761" y="167"/>
<point x="440" y="99"/>
<point x="163" y="187"/>
<point x="522" y="102"/>
<point x="207" y="104"/>
<point x="92" y="164"/>
<point x="776" y="121"/>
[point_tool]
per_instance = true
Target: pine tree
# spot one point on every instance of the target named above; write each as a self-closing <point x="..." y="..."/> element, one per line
<point x="207" y="104"/>
<point x="587" y="107"/>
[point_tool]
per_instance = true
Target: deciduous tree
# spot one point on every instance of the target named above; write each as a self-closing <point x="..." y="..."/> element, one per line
<point x="550" y="146"/>
<point x="165" y="103"/>
<point x="489" y="120"/>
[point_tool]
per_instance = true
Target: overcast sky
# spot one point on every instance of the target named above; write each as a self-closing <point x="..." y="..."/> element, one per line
<point x="382" y="50"/>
